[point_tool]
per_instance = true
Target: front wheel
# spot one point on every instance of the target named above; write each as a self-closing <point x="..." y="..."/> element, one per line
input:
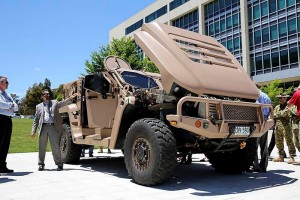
<point x="150" y="152"/>
<point x="70" y="152"/>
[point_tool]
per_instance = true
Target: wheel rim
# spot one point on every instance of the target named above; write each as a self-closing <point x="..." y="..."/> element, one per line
<point x="141" y="154"/>
<point x="63" y="143"/>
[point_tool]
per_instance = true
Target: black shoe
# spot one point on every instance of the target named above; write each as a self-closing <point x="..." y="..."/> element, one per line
<point x="59" y="168"/>
<point x="41" y="167"/>
<point x="6" y="170"/>
<point x="91" y="155"/>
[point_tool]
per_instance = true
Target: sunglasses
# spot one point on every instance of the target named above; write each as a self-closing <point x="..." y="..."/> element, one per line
<point x="5" y="82"/>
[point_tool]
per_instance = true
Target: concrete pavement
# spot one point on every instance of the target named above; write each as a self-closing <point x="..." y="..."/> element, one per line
<point x="105" y="177"/>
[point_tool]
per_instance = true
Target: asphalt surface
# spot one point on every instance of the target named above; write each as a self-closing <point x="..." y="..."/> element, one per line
<point x="105" y="177"/>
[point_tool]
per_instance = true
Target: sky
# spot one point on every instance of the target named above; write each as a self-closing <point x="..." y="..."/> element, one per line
<point x="51" y="39"/>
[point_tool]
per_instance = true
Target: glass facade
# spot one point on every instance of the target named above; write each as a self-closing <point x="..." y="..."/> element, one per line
<point x="222" y="21"/>
<point x="189" y="21"/>
<point x="274" y="34"/>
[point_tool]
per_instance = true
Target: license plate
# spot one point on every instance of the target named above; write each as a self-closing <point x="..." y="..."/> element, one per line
<point x="241" y="130"/>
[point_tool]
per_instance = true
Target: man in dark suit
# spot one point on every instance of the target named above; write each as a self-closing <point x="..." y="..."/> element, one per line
<point x="48" y="126"/>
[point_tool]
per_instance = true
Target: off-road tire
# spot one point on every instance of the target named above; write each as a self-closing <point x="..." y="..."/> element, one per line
<point x="70" y="152"/>
<point x="236" y="161"/>
<point x="150" y="152"/>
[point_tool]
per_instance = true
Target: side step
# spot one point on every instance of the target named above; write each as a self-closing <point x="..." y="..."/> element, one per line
<point x="96" y="136"/>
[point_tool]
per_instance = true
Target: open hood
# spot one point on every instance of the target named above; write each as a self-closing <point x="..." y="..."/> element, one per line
<point x="196" y="62"/>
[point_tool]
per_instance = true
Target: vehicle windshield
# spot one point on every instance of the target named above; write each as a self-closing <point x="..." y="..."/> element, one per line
<point x="138" y="80"/>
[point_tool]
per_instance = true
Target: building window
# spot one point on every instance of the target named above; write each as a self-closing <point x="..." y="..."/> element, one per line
<point x="293" y="55"/>
<point x="258" y="63"/>
<point x="275" y="59"/>
<point x="292" y="26"/>
<point x="229" y="45"/>
<point x="281" y="4"/>
<point x="290" y="3"/>
<point x="176" y="3"/>
<point x="267" y="62"/>
<point x="235" y="19"/>
<point x="272" y="7"/>
<point x="156" y="14"/>
<point x="217" y="27"/>
<point x="274" y="32"/>
<point x="284" y="57"/>
<point x="251" y="39"/>
<point x="223" y="25"/>
<point x="256" y="12"/>
<point x="189" y="22"/>
<point x="282" y="29"/>
<point x="265" y="34"/>
<point x="228" y="22"/>
<point x="133" y="27"/>
<point x="250" y="14"/>
<point x="236" y="43"/>
<point x="264" y="9"/>
<point x="257" y="37"/>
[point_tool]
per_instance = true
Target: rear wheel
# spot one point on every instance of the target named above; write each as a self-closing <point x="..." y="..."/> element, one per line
<point x="150" y="152"/>
<point x="235" y="161"/>
<point x="70" y="152"/>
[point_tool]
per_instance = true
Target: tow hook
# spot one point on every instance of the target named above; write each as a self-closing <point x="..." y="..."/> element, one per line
<point x="243" y="145"/>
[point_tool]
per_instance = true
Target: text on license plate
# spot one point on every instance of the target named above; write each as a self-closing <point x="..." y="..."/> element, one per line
<point x="241" y="130"/>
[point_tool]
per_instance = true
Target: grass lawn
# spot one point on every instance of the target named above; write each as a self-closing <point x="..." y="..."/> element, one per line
<point x="21" y="141"/>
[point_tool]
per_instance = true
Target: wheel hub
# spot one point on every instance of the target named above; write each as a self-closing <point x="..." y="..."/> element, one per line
<point x="141" y="152"/>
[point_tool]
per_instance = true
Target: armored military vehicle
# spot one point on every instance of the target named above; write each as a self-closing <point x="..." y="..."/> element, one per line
<point x="202" y="101"/>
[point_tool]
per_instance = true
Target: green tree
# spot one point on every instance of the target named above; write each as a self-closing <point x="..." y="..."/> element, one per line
<point x="125" y="48"/>
<point x="273" y="89"/>
<point x="33" y="97"/>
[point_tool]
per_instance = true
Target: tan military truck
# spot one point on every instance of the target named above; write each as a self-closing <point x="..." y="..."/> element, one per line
<point x="201" y="102"/>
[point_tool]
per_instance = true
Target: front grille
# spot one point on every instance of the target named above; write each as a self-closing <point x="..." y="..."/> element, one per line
<point x="234" y="112"/>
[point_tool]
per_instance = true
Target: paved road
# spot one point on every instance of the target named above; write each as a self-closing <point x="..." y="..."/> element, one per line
<point x="105" y="177"/>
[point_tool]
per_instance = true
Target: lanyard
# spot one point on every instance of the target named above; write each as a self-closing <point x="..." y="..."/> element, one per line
<point x="6" y="97"/>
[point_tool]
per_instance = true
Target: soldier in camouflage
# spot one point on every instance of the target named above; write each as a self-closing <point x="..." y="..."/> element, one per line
<point x="295" y="127"/>
<point x="283" y="130"/>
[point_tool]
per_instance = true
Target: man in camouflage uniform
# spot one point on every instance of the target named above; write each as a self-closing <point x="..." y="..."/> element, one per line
<point x="295" y="127"/>
<point x="283" y="130"/>
<point x="293" y="103"/>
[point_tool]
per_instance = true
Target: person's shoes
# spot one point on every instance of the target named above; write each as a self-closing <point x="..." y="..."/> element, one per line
<point x="91" y="155"/>
<point x="6" y="170"/>
<point x="41" y="168"/>
<point x="82" y="155"/>
<point x="59" y="168"/>
<point x="108" y="150"/>
<point x="296" y="163"/>
<point x="278" y="159"/>
<point x="291" y="160"/>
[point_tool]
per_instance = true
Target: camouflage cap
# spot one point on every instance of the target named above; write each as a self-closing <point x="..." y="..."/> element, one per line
<point x="283" y="95"/>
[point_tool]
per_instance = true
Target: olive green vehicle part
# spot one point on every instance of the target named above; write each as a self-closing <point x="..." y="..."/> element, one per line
<point x="201" y="102"/>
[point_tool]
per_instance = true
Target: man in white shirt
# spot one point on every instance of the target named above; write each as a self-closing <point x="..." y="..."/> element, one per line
<point x="7" y="109"/>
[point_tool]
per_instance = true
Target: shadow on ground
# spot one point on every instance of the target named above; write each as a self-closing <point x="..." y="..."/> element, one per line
<point x="199" y="176"/>
<point x="6" y="180"/>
